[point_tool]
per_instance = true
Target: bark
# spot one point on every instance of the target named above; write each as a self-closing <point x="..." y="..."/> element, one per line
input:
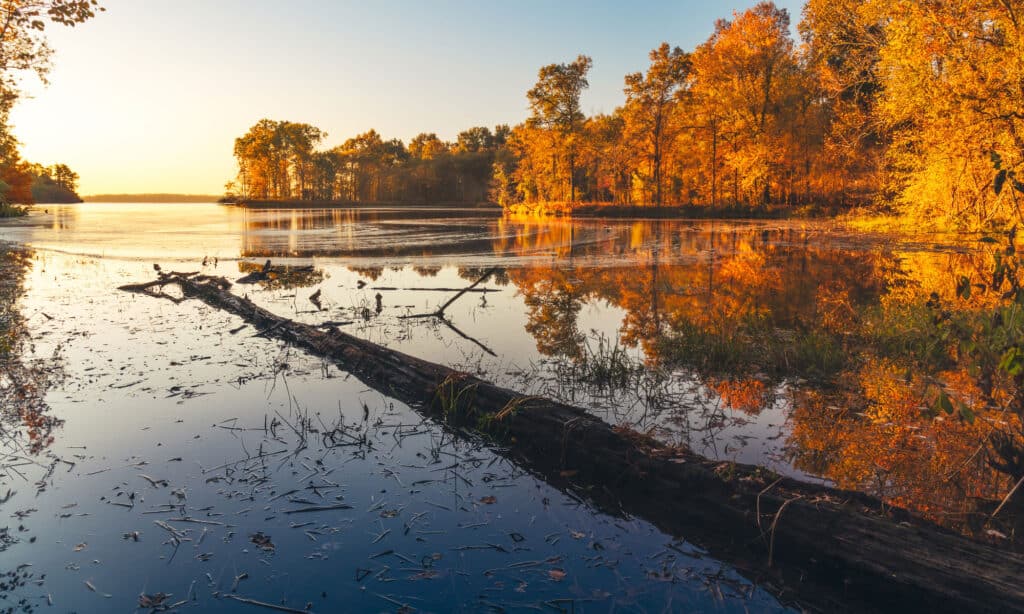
<point x="817" y="547"/>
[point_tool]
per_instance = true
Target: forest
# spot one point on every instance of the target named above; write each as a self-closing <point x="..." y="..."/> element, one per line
<point x="914" y="107"/>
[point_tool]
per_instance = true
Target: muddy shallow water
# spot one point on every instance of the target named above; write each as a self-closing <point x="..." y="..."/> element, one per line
<point x="196" y="459"/>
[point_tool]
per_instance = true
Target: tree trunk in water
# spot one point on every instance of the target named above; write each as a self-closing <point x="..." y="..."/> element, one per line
<point x="837" y="550"/>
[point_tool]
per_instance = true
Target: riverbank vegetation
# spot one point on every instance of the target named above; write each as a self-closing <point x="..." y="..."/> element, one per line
<point x="904" y="105"/>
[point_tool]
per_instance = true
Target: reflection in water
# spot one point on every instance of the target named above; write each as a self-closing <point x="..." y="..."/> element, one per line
<point x="25" y="422"/>
<point x="810" y="349"/>
<point x="767" y="303"/>
<point x="737" y="306"/>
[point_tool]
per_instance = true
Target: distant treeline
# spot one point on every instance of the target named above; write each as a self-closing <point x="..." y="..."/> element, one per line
<point x="278" y="160"/>
<point x="151" y="198"/>
<point x="915" y="104"/>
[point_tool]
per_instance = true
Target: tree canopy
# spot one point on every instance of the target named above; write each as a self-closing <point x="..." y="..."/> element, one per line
<point x="24" y="51"/>
<point x="914" y="104"/>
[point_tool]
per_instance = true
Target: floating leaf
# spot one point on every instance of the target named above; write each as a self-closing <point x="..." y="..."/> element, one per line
<point x="262" y="541"/>
<point x="156" y="600"/>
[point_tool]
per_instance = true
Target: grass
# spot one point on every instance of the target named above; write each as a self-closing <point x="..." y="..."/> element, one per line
<point x="608" y="365"/>
<point x="754" y="345"/>
<point x="7" y="210"/>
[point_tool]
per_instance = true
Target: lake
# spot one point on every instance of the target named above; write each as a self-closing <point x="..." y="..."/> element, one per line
<point x="161" y="453"/>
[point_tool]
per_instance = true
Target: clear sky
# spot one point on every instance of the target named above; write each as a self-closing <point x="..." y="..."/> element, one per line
<point x="150" y="96"/>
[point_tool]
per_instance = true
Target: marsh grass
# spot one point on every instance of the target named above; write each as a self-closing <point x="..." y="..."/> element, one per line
<point x="608" y="364"/>
<point x="8" y="211"/>
<point x="754" y="345"/>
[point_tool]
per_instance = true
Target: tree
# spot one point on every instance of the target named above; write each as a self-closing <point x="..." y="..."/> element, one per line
<point x="475" y="139"/>
<point x="748" y="72"/>
<point x="952" y="94"/>
<point x="64" y="177"/>
<point x="275" y="159"/>
<point x="23" y="48"/>
<point x="652" y="105"/>
<point x="843" y="41"/>
<point x="23" y="45"/>
<point x="555" y="107"/>
<point x="425" y="146"/>
<point x="54" y="184"/>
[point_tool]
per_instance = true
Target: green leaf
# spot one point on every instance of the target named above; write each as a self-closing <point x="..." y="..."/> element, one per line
<point x="997" y="185"/>
<point x="1012" y="361"/>
<point x="988" y="240"/>
<point x="944" y="403"/>
<point x="965" y="412"/>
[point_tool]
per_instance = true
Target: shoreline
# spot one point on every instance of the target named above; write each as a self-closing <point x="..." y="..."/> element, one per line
<point x="582" y="210"/>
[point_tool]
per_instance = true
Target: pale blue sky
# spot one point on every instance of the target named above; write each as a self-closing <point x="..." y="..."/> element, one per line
<point x="150" y="96"/>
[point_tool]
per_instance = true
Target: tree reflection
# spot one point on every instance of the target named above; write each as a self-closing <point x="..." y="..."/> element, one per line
<point x="853" y="331"/>
<point x="25" y="421"/>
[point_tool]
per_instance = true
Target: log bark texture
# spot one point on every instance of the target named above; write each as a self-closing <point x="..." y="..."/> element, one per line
<point x="815" y="547"/>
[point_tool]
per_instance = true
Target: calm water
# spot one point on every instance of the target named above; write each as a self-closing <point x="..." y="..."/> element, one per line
<point x="171" y="412"/>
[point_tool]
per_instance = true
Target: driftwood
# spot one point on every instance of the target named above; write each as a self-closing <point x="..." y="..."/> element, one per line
<point x="817" y="547"/>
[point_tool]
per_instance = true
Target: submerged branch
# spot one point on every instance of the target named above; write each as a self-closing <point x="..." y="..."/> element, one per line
<point x="440" y="310"/>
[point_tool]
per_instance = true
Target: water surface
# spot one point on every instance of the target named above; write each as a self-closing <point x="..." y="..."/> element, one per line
<point x="175" y="412"/>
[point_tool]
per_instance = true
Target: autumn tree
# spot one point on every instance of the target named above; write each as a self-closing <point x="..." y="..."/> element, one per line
<point x="24" y="49"/>
<point x="425" y="146"/>
<point x="952" y="77"/>
<point x="275" y="159"/>
<point x="653" y="104"/>
<point x="555" y="108"/>
<point x="610" y="159"/>
<point x="748" y="72"/>
<point x="843" y="40"/>
<point x="23" y="44"/>
<point x="476" y="139"/>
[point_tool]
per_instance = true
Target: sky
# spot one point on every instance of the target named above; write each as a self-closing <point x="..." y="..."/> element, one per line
<point x="150" y="96"/>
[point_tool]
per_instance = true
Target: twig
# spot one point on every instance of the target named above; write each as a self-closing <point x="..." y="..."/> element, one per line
<point x="319" y="508"/>
<point x="440" y="311"/>
<point x="1007" y="498"/>
<point x="264" y="604"/>
<point x="775" y="522"/>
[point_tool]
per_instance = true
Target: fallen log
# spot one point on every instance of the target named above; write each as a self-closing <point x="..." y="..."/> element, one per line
<point x="817" y="547"/>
